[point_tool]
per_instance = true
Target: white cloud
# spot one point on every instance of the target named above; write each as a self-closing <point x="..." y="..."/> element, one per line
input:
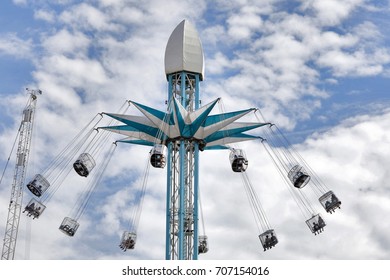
<point x="20" y="2"/>
<point x="45" y="15"/>
<point x="369" y="31"/>
<point x="68" y="82"/>
<point x="331" y="12"/>
<point x="13" y="45"/>
<point x="88" y="17"/>
<point x="355" y="64"/>
<point x="219" y="64"/>
<point x="241" y="25"/>
<point x="231" y="6"/>
<point x="64" y="42"/>
<point x="329" y="40"/>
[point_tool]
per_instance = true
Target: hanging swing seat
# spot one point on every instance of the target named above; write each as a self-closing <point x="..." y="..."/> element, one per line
<point x="128" y="241"/>
<point x="330" y="202"/>
<point x="298" y="176"/>
<point x="316" y="224"/>
<point x="34" y="208"/>
<point x="203" y="246"/>
<point x="238" y="160"/>
<point x="268" y="239"/>
<point x="69" y="226"/>
<point x="84" y="164"/>
<point x="38" y="185"/>
<point x="157" y="156"/>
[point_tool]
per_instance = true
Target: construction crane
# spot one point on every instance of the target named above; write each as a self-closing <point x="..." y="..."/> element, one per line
<point x="22" y="155"/>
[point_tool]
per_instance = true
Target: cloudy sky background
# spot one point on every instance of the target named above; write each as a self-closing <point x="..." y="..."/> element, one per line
<point x="318" y="69"/>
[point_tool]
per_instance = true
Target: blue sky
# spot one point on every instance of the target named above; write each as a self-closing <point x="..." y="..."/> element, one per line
<point x="319" y="69"/>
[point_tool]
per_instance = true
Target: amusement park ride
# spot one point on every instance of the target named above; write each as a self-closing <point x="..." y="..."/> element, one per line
<point x="176" y="137"/>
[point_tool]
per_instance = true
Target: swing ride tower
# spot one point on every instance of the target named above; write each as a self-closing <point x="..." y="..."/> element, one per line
<point x="183" y="176"/>
<point x="183" y="131"/>
<point x="184" y="69"/>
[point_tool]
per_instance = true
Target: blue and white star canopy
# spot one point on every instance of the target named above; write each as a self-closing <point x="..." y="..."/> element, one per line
<point x="155" y="127"/>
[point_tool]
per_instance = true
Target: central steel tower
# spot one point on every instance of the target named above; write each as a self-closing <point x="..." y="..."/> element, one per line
<point x="184" y="69"/>
<point x="179" y="134"/>
<point x="182" y="177"/>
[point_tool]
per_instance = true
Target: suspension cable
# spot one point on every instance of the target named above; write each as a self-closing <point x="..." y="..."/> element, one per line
<point x="135" y="217"/>
<point x="255" y="217"/>
<point x="61" y="166"/>
<point x="95" y="182"/>
<point x="94" y="145"/>
<point x="256" y="206"/>
<point x="289" y="157"/>
<point x="164" y="123"/>
<point x="143" y="191"/>
<point x="302" y="206"/>
<point x="222" y="117"/>
<point x="201" y="214"/>
<point x="70" y="150"/>
<point x="318" y="183"/>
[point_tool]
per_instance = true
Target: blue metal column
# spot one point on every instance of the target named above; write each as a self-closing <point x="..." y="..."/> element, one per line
<point x="196" y="178"/>
<point x="196" y="194"/>
<point x="168" y="204"/>
<point x="181" y="200"/>
<point x="182" y="185"/>
<point x="178" y="243"/>
<point x="183" y="89"/>
<point x="169" y="187"/>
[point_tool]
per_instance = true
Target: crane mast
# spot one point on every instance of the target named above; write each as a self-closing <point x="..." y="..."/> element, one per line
<point x="22" y="155"/>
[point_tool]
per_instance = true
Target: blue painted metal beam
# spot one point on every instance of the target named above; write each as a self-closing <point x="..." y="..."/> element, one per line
<point x="168" y="205"/>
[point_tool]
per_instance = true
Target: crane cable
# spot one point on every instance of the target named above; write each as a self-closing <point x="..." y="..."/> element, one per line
<point x="9" y="157"/>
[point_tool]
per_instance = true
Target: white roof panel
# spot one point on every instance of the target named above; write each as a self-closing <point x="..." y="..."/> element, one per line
<point x="184" y="51"/>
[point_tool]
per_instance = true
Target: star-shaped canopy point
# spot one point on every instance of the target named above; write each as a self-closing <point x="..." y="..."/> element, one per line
<point x="211" y="131"/>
